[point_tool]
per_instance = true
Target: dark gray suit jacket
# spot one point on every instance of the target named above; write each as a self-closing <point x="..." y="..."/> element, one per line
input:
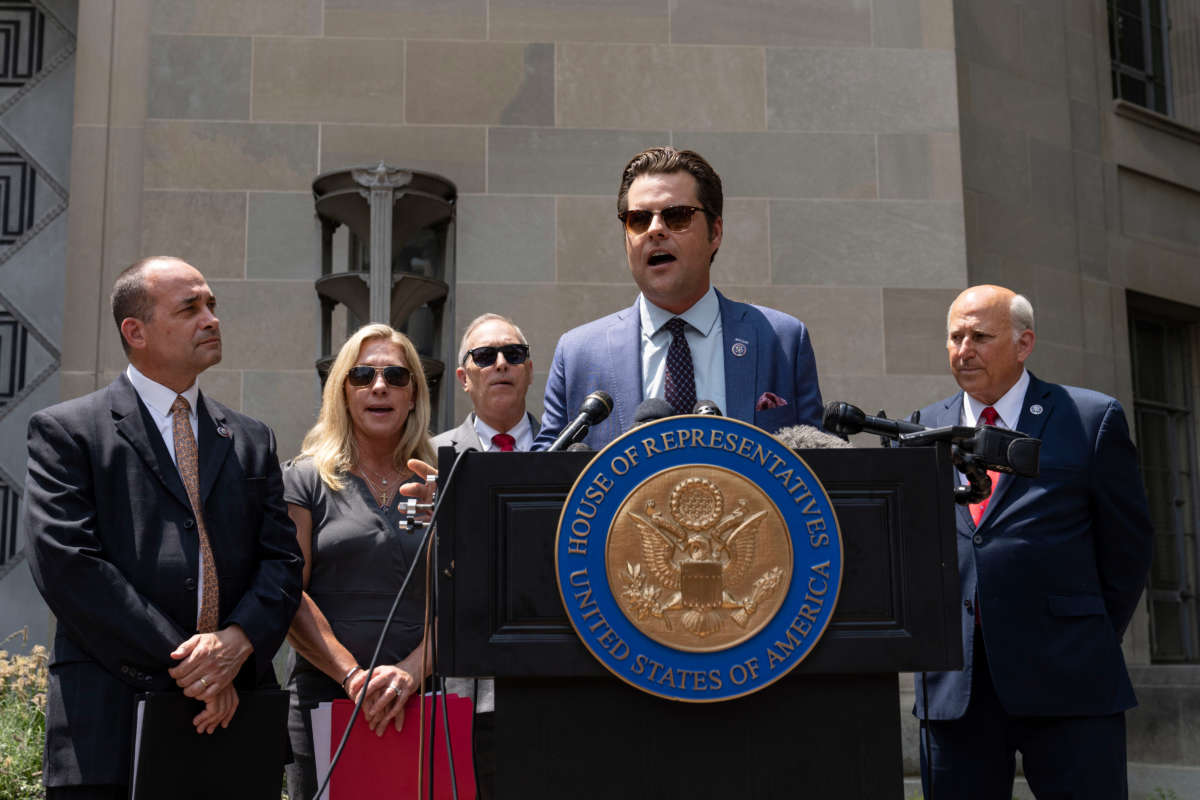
<point x="114" y="551"/>
<point x="465" y="436"/>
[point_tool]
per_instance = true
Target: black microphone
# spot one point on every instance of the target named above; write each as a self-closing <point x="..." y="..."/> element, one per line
<point x="707" y="407"/>
<point x="844" y="418"/>
<point x="594" y="409"/>
<point x="652" y="408"/>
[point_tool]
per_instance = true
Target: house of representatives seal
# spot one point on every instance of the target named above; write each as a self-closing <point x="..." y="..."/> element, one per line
<point x="698" y="558"/>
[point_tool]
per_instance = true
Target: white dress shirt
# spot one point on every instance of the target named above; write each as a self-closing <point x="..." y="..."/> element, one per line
<point x="522" y="432"/>
<point x="158" y="400"/>
<point x="704" y="338"/>
<point x="1008" y="407"/>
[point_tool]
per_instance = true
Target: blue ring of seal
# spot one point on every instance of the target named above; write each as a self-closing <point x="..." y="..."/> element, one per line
<point x="745" y="667"/>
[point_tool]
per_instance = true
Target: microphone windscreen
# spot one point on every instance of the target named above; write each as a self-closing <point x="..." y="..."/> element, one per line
<point x="652" y="408"/>
<point x="707" y="407"/>
<point x="806" y="437"/>
<point x="580" y="447"/>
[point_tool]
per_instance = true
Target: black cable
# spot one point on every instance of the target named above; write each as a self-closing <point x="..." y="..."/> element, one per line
<point x="440" y="687"/>
<point x="387" y="623"/>
<point x="449" y="747"/>
<point x="927" y="762"/>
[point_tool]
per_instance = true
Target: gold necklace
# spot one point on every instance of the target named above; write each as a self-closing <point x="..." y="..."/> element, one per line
<point x="385" y="492"/>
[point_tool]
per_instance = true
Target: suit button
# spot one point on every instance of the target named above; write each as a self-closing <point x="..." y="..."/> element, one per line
<point x="978" y="539"/>
<point x="188" y="523"/>
<point x="190" y="584"/>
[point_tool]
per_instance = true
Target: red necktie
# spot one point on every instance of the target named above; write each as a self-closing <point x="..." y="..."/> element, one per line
<point x="504" y="443"/>
<point x="988" y="417"/>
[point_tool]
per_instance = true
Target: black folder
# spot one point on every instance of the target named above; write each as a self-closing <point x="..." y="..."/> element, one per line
<point x="242" y="762"/>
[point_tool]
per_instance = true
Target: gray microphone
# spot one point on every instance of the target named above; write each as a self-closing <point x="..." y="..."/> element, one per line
<point x="806" y="437"/>
<point x="650" y="409"/>
<point x="707" y="407"/>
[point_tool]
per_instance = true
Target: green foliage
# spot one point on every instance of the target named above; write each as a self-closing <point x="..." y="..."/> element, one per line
<point x="22" y="721"/>
<point x="1163" y="794"/>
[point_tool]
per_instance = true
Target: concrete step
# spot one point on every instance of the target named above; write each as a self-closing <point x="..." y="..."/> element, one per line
<point x="1146" y="782"/>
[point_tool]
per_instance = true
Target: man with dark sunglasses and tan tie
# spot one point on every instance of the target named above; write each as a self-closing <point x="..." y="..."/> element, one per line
<point x="681" y="340"/>
<point x="495" y="369"/>
<point x="158" y="536"/>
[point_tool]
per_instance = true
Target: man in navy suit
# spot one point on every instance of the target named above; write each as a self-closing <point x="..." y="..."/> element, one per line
<point x="681" y="339"/>
<point x="159" y="538"/>
<point x="1051" y="569"/>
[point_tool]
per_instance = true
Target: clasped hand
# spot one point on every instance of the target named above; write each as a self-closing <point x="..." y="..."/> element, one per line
<point x="389" y="689"/>
<point x="210" y="662"/>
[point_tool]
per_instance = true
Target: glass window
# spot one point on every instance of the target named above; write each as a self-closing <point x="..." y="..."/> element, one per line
<point x="1161" y="336"/>
<point x="1137" y="40"/>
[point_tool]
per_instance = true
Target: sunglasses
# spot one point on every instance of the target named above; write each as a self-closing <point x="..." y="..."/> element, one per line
<point x="486" y="356"/>
<point x="676" y="218"/>
<point x="364" y="375"/>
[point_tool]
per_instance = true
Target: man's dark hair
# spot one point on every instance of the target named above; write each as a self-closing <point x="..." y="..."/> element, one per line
<point x="131" y="298"/>
<point x="666" y="160"/>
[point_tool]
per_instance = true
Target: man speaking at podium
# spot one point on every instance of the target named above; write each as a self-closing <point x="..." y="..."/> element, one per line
<point x="159" y="538"/>
<point x="681" y="340"/>
<point x="1051" y="569"/>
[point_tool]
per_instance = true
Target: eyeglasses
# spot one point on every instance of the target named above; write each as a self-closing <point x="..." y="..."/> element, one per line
<point x="486" y="356"/>
<point x="676" y="218"/>
<point x="364" y="375"/>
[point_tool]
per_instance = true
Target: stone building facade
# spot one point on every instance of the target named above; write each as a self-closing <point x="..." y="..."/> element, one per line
<point x="878" y="156"/>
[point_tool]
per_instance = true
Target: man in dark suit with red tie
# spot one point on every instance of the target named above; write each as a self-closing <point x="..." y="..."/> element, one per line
<point x="495" y="370"/>
<point x="1051" y="570"/>
<point x="158" y="536"/>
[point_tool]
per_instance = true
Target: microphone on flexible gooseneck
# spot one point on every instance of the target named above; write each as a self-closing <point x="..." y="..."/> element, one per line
<point x="847" y="419"/>
<point x="594" y="409"/>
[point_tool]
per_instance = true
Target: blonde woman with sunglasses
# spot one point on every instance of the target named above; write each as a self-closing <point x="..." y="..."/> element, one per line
<point x="342" y="494"/>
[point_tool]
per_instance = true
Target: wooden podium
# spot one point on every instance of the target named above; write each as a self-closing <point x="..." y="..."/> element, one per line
<point x="566" y="727"/>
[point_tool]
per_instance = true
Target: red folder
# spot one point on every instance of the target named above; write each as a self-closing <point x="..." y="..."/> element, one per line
<point x="386" y="767"/>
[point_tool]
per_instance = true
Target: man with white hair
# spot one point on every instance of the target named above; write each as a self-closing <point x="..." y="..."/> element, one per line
<point x="495" y="369"/>
<point x="1051" y="569"/>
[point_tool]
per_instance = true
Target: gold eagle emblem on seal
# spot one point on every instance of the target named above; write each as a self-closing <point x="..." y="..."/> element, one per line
<point x="699" y="558"/>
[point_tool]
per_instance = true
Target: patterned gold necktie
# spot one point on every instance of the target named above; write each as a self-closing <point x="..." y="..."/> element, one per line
<point x="188" y="461"/>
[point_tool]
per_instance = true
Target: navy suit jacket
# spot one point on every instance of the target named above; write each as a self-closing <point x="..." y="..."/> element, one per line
<point x="606" y="354"/>
<point x="114" y="551"/>
<point x="1058" y="563"/>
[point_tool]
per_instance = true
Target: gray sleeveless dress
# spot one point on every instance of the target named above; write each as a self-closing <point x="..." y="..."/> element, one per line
<point x="360" y="556"/>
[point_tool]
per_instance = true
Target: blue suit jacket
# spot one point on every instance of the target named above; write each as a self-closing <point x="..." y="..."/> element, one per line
<point x="1058" y="563"/>
<point x="606" y="354"/>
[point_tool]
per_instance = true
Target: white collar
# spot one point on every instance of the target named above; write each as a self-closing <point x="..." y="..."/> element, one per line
<point x="1008" y="407"/>
<point x="702" y="316"/>
<point x="486" y="432"/>
<point x="158" y="397"/>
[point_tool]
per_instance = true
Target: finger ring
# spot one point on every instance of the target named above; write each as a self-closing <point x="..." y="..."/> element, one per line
<point x="204" y="683"/>
<point x="395" y="688"/>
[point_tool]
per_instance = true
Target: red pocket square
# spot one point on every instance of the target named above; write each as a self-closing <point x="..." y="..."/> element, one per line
<point x="769" y="400"/>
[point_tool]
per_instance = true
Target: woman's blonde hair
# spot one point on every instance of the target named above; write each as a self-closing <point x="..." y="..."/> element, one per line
<point x="330" y="443"/>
